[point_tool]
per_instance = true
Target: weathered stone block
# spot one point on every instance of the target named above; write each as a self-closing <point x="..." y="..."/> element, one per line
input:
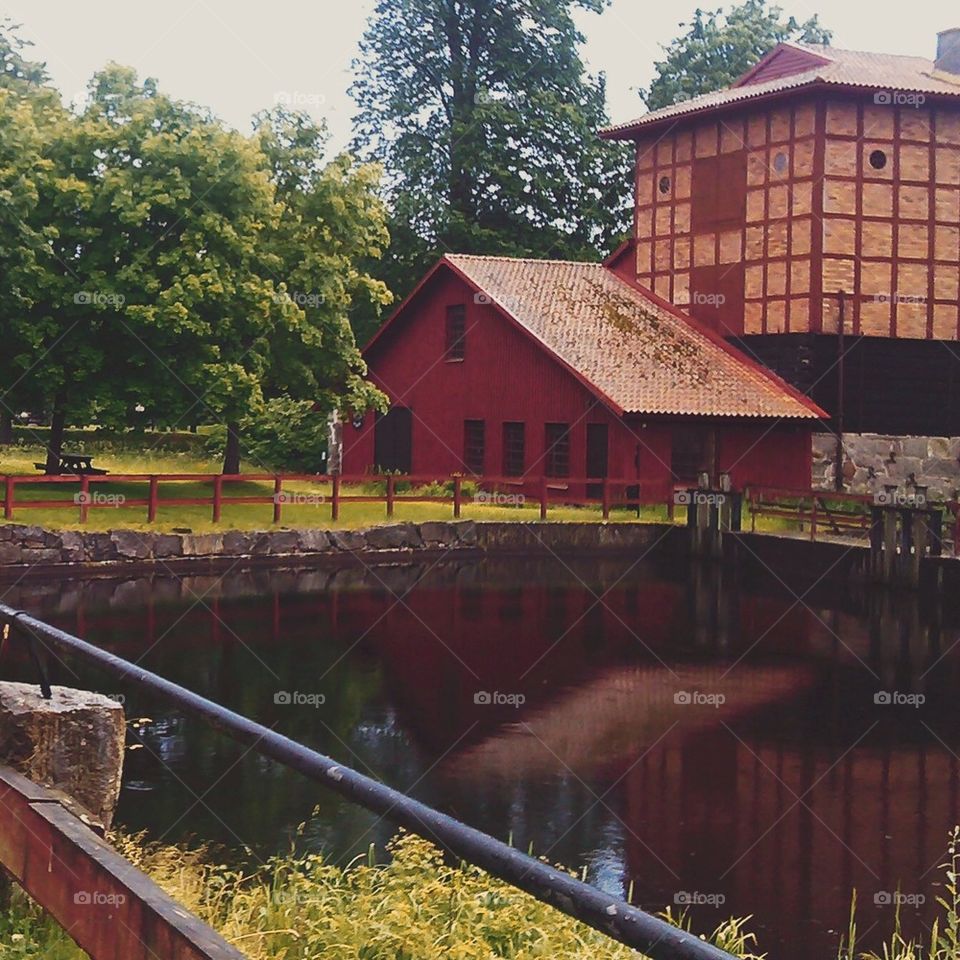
<point x="73" y="742"/>
<point x="436" y="533"/>
<point x="39" y="555"/>
<point x="394" y="536"/>
<point x="236" y="543"/>
<point x="131" y="545"/>
<point x="279" y="541"/>
<point x="348" y="540"/>
<point x="314" y="541"/>
<point x="72" y="548"/>
<point x="466" y="532"/>
<point x="201" y="544"/>
<point x="100" y="547"/>
<point x="167" y="545"/>
<point x="9" y="552"/>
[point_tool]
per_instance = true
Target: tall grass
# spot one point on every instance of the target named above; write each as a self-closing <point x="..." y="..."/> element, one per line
<point x="295" y="907"/>
<point x="944" y="940"/>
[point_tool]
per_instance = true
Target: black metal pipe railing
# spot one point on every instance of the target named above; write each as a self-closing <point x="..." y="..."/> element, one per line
<point x="651" y="935"/>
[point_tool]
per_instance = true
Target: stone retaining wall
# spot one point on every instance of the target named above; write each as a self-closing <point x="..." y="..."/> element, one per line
<point x="31" y="546"/>
<point x="872" y="460"/>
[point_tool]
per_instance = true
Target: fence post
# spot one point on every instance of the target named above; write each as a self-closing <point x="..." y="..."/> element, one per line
<point x="391" y="486"/>
<point x="606" y="498"/>
<point x="84" y="497"/>
<point x="813" y="519"/>
<point x="457" y="484"/>
<point x="152" y="502"/>
<point x="543" y="498"/>
<point x="217" y="497"/>
<point x="277" y="498"/>
<point x="335" y="498"/>
<point x="8" y="498"/>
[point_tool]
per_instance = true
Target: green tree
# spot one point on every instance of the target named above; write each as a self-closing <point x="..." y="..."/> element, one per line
<point x="332" y="223"/>
<point x="483" y="115"/>
<point x="717" y="48"/>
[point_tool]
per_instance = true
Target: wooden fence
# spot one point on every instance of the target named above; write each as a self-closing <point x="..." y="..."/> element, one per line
<point x="389" y="489"/>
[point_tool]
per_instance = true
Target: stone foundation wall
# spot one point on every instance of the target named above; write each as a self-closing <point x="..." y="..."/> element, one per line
<point x="30" y="546"/>
<point x="872" y="460"/>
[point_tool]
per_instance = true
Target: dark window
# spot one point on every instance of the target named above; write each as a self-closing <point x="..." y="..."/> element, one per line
<point x="719" y="191"/>
<point x="473" y="446"/>
<point x="513" y="450"/>
<point x="557" y="461"/>
<point x="456" y="332"/>
<point x="878" y="159"/>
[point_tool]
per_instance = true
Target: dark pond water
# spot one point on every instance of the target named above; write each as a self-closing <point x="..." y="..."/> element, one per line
<point x="715" y="742"/>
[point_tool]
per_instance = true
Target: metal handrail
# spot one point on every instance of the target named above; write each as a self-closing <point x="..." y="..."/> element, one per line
<point x="635" y="928"/>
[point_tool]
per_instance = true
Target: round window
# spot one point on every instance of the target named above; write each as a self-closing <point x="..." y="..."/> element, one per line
<point x="780" y="163"/>
<point x="878" y="159"/>
<point x="664" y="185"/>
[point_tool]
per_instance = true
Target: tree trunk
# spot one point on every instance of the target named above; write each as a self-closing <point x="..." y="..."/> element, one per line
<point x="6" y="428"/>
<point x="231" y="455"/>
<point x="55" y="444"/>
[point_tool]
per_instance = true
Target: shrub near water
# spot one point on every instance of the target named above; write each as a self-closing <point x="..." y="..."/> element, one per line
<point x="417" y="907"/>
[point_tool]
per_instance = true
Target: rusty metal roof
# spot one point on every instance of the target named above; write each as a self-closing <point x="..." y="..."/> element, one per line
<point x="636" y="350"/>
<point x="879" y="72"/>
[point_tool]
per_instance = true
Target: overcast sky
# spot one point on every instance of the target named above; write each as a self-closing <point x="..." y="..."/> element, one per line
<point x="239" y="56"/>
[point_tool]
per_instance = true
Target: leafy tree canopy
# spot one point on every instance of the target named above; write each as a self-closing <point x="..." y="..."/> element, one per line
<point x="719" y="47"/>
<point x="484" y="117"/>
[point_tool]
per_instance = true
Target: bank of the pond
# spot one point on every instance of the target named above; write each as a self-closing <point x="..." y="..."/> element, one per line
<point x="32" y="549"/>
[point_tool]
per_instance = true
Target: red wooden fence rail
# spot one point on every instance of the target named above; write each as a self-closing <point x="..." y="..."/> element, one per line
<point x="93" y="493"/>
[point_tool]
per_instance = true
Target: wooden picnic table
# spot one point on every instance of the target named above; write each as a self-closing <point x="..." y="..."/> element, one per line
<point x="75" y="463"/>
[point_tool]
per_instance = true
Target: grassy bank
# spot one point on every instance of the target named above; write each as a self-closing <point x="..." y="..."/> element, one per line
<point x="416" y="907"/>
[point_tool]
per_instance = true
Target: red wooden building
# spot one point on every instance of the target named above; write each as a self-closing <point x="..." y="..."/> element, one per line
<point x="525" y="368"/>
<point x="819" y="171"/>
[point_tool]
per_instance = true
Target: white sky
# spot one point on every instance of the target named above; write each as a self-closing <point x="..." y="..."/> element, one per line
<point x="238" y="56"/>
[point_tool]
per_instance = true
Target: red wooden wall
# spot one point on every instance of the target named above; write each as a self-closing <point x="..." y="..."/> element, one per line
<point x="507" y="376"/>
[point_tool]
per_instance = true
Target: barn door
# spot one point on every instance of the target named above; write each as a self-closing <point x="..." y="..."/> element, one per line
<point x="693" y="451"/>
<point x="596" y="457"/>
<point x="393" y="441"/>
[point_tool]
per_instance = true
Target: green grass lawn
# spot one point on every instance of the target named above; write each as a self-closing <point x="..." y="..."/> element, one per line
<point x="312" y="510"/>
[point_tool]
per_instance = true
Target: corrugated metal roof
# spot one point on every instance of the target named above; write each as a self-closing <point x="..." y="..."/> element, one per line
<point x="851" y="68"/>
<point x="642" y="355"/>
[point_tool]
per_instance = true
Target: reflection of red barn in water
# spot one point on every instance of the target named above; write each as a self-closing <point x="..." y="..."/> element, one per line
<point x="758" y="801"/>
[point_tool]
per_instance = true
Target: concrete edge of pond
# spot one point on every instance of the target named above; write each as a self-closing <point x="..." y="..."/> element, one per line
<point x="31" y="551"/>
